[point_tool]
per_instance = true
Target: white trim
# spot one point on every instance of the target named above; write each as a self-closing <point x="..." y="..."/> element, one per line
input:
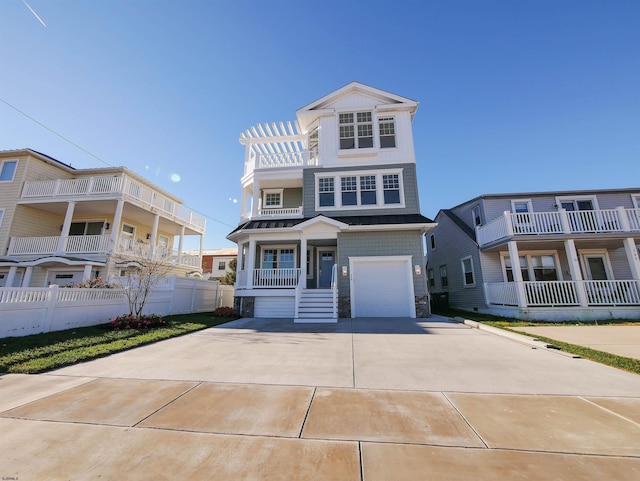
<point x="407" y="260"/>
<point x="521" y="201"/>
<point x="473" y="272"/>
<point x="527" y="256"/>
<point x="575" y="198"/>
<point x="584" y="254"/>
<point x="7" y="161"/>
<point x="272" y="191"/>
<point x="473" y="216"/>
<point x="1" y="216"/>
<point x="278" y="247"/>
<point x="635" y="198"/>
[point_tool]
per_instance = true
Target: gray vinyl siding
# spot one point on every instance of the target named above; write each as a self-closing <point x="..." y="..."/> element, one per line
<point x="411" y="204"/>
<point x="393" y="243"/>
<point x="451" y="246"/>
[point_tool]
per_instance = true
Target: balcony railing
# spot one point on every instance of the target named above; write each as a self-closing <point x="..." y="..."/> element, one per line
<point x="560" y="222"/>
<point x="268" y="278"/>
<point x="565" y="293"/>
<point x="292" y="211"/>
<point x="122" y="185"/>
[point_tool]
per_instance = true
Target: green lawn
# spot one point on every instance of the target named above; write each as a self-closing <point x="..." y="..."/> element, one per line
<point x="620" y="362"/>
<point x="43" y="352"/>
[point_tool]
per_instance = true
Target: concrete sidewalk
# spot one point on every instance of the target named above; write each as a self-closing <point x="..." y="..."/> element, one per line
<point x="364" y="399"/>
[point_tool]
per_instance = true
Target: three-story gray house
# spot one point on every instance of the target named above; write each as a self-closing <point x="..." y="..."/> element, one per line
<point x="540" y="256"/>
<point x="330" y="218"/>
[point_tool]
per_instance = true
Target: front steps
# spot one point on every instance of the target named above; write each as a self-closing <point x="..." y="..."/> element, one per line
<point x="315" y="305"/>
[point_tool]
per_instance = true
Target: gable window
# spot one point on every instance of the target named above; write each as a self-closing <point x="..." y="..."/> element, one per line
<point x="391" y="186"/>
<point x="349" y="190"/>
<point x="356" y="130"/>
<point x="432" y="279"/>
<point x="432" y="241"/>
<point x="272" y="199"/>
<point x="8" y="170"/>
<point x="444" y="279"/>
<point x="387" y="128"/>
<point x="326" y="192"/>
<point x="468" y="275"/>
<point x="367" y="190"/>
<point x="475" y="213"/>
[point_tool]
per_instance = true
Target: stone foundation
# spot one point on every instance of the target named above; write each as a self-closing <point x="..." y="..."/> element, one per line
<point x="422" y="306"/>
<point x="244" y="306"/>
<point x="344" y="307"/>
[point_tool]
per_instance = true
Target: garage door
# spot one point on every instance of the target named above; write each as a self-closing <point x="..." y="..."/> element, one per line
<point x="274" y="307"/>
<point x="382" y="287"/>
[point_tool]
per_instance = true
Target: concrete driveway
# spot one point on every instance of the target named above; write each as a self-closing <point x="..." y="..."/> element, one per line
<point x="366" y="399"/>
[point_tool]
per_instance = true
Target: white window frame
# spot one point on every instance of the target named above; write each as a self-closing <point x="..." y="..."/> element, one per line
<point x="432" y="242"/>
<point x="9" y="161"/>
<point x="521" y="201"/>
<point x="265" y="192"/>
<point x="576" y="198"/>
<point x="337" y="189"/>
<point x="356" y="123"/>
<point x="163" y="241"/>
<point x="279" y="248"/>
<point x="91" y="221"/>
<point x="477" y="209"/>
<point x="583" y="254"/>
<point x="431" y="278"/>
<point x="635" y="198"/>
<point x="464" y="272"/>
<point x="386" y="120"/>
<point x="223" y="264"/>
<point x="446" y="276"/>
<point x="527" y="256"/>
<point x="1" y="216"/>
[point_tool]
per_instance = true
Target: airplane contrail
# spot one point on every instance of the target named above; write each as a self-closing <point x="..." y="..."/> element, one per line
<point x="34" y="13"/>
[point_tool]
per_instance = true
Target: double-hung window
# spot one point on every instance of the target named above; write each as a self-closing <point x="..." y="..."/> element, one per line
<point x="360" y="190"/>
<point x="444" y="279"/>
<point x="432" y="279"/>
<point x="326" y="192"/>
<point x="387" y="129"/>
<point x="349" y="190"/>
<point x="281" y="258"/>
<point x="356" y="130"/>
<point x="368" y="190"/>
<point x="468" y="275"/>
<point x="8" y="170"/>
<point x="391" y="186"/>
<point x="222" y="265"/>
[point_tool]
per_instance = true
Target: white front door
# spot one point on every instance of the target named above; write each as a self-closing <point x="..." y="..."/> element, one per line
<point x="382" y="287"/>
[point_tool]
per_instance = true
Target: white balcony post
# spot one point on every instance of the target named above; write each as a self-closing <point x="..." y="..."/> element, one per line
<point x="574" y="270"/>
<point x="509" y="225"/>
<point x="256" y="201"/>
<point x="632" y="256"/>
<point x="200" y="251"/>
<point x="517" y="273"/>
<point x="564" y="218"/>
<point x="87" y="272"/>
<point x="115" y="225"/>
<point x="180" y="242"/>
<point x="623" y="219"/>
<point x="251" y="262"/>
<point x="26" y="280"/>
<point x="65" y="228"/>
<point x="303" y="260"/>
<point x="154" y="234"/>
<point x="11" y="276"/>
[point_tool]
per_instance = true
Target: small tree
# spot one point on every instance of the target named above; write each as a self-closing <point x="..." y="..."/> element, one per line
<point x="230" y="277"/>
<point x="143" y="270"/>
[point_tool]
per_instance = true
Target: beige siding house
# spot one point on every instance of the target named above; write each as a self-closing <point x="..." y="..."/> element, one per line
<point x="60" y="225"/>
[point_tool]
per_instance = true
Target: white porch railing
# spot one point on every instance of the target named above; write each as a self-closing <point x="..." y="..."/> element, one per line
<point x="268" y="212"/>
<point x="565" y="293"/>
<point x="287" y="159"/>
<point x="120" y="185"/>
<point x="276" y="277"/>
<point x="560" y="222"/>
<point x="80" y="244"/>
<point x="75" y="244"/>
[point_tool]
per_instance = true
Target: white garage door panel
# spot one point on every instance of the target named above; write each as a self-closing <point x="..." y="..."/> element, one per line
<point x="274" y="307"/>
<point x="382" y="289"/>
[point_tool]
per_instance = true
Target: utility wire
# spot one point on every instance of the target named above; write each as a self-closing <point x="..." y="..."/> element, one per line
<point x="95" y="156"/>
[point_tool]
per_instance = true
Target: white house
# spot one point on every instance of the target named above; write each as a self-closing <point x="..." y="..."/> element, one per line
<point x="330" y="218"/>
<point x="576" y="252"/>
<point x="60" y="225"/>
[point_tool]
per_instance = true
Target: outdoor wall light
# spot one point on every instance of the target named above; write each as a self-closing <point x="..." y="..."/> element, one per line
<point x="344" y="271"/>
<point x="148" y="236"/>
<point x="417" y="269"/>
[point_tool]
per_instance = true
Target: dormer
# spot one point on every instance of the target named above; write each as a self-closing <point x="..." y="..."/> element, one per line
<point x="358" y="125"/>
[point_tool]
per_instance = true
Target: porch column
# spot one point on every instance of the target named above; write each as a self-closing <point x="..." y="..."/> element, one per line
<point x="240" y="262"/>
<point x="303" y="260"/>
<point x="87" y="272"/>
<point x="115" y="225"/>
<point x="632" y="256"/>
<point x="26" y="280"/>
<point x="154" y="234"/>
<point x="65" y="228"/>
<point x="251" y="262"/>
<point x="517" y="273"/>
<point x="11" y="276"/>
<point x="255" y="200"/>
<point x="200" y="251"/>
<point x="180" y="241"/>
<point x="576" y="273"/>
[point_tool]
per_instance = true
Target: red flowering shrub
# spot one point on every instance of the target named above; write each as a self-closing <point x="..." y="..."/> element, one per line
<point x="130" y="321"/>
<point x="224" y="312"/>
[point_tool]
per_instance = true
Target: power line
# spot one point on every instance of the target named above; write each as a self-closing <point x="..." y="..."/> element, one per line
<point x="95" y="156"/>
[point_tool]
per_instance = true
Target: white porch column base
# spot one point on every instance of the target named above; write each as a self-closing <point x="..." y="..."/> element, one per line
<point x="517" y="274"/>
<point x="574" y="269"/>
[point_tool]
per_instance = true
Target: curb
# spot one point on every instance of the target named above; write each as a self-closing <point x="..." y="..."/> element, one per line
<point x="521" y="338"/>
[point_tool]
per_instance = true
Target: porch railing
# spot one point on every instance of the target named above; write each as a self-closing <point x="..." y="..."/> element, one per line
<point x="560" y="222"/>
<point x="280" y="212"/>
<point x="276" y="277"/>
<point x="287" y="159"/>
<point x="565" y="293"/>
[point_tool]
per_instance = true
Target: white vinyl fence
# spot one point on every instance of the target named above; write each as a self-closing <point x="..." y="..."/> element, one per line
<point x="32" y="310"/>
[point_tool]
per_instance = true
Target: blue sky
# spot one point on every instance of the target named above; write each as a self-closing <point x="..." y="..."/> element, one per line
<point x="515" y="95"/>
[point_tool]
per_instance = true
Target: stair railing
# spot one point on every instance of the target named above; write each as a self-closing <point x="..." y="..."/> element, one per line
<point x="334" y="289"/>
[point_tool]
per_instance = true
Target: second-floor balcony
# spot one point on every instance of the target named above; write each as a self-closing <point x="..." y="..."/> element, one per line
<point x="96" y="245"/>
<point x="120" y="186"/>
<point x="562" y="222"/>
<point x="273" y="160"/>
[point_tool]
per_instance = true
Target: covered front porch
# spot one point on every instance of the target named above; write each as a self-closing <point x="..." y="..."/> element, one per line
<point x="570" y="279"/>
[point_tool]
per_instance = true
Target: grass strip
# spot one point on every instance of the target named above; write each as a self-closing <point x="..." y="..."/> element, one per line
<point x="44" y="352"/>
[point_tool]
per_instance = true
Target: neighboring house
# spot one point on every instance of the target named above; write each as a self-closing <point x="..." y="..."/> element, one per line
<point x="330" y="219"/>
<point x="60" y="225"/>
<point x="215" y="262"/>
<point x="576" y="252"/>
